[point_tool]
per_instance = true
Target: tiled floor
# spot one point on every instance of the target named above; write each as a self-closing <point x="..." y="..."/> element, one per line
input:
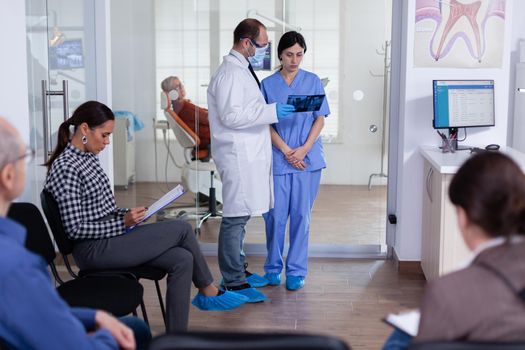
<point x="342" y="297"/>
<point x="341" y="215"/>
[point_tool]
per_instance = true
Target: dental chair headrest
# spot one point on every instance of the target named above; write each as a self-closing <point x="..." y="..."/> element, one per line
<point x="166" y="98"/>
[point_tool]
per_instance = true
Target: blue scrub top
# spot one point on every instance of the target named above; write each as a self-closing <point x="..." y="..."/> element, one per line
<point x="294" y="131"/>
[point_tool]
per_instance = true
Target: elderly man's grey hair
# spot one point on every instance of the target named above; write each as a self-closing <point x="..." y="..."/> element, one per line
<point x="9" y="144"/>
<point x="167" y="84"/>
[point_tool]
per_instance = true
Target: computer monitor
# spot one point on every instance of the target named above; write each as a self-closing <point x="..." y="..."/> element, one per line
<point x="463" y="104"/>
<point x="67" y="55"/>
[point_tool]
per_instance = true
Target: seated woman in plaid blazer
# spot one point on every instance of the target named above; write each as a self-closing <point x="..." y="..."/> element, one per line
<point x="98" y="227"/>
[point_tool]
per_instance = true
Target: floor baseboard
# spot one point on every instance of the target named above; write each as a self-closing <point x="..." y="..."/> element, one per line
<point x="407" y="267"/>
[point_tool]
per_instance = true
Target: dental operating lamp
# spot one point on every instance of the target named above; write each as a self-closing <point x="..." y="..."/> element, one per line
<point x="252" y="13"/>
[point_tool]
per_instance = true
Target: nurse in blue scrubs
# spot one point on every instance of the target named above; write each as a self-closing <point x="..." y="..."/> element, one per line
<point x="298" y="159"/>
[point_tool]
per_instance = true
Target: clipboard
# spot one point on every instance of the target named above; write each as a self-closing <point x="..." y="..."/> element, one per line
<point x="407" y="321"/>
<point x="161" y="203"/>
<point x="306" y="103"/>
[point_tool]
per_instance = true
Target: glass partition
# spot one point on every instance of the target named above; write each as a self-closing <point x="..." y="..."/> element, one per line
<point x="348" y="45"/>
<point x="61" y="72"/>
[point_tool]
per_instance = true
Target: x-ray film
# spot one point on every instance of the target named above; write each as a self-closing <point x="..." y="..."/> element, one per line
<point x="306" y="103"/>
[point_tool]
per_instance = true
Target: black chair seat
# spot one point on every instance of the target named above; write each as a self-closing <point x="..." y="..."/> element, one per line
<point x="65" y="246"/>
<point x="113" y="293"/>
<point x="120" y="295"/>
<point x="245" y="341"/>
<point x="146" y="272"/>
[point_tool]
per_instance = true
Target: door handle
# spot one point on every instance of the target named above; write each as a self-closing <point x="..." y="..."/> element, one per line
<point x="45" y="115"/>
<point x="428" y="183"/>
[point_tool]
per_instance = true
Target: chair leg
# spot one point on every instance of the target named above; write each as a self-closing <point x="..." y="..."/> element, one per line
<point x="144" y="314"/>
<point x="161" y="303"/>
<point x="203" y="219"/>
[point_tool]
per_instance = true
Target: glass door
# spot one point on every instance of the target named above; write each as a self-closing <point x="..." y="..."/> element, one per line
<point x="61" y="73"/>
<point x="349" y="216"/>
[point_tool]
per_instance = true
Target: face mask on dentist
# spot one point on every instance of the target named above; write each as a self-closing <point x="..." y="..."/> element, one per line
<point x="258" y="56"/>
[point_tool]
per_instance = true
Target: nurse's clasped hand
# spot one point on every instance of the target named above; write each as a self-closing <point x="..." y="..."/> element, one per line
<point x="296" y="157"/>
<point x="284" y="111"/>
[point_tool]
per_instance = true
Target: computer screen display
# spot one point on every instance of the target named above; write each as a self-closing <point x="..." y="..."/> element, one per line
<point x="66" y="55"/>
<point x="463" y="103"/>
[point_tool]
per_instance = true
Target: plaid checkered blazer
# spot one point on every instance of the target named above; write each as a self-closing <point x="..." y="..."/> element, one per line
<point x="83" y="193"/>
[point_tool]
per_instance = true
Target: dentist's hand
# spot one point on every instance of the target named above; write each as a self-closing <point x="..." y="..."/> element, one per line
<point x="284" y="111"/>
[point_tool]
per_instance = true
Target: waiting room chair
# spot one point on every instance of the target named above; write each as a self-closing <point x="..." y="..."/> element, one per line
<point x="458" y="345"/>
<point x="245" y="341"/>
<point x="189" y="141"/>
<point x="65" y="247"/>
<point x="113" y="293"/>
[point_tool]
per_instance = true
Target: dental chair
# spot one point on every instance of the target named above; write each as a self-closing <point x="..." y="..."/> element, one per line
<point x="197" y="176"/>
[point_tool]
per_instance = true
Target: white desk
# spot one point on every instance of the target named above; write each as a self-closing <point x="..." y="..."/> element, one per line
<point x="442" y="247"/>
<point x="449" y="163"/>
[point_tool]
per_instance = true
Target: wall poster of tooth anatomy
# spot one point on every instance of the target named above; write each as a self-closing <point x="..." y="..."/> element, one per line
<point x="459" y="33"/>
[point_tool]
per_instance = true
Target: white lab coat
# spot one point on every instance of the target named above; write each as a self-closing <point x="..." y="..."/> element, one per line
<point x="240" y="138"/>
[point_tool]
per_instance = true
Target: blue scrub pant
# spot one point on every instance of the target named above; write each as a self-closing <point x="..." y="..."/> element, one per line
<point x="294" y="196"/>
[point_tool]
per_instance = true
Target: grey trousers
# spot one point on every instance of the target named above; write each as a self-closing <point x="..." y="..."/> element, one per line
<point x="231" y="252"/>
<point x="168" y="245"/>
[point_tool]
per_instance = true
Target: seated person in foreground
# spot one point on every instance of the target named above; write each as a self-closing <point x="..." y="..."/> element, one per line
<point x="32" y="314"/>
<point x="196" y="118"/>
<point x="481" y="302"/>
<point x="98" y="228"/>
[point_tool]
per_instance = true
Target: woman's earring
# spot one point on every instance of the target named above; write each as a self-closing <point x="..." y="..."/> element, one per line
<point x="84" y="139"/>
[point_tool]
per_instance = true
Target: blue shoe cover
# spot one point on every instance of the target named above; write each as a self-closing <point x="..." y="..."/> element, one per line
<point x="253" y="295"/>
<point x="226" y="301"/>
<point x="294" y="282"/>
<point x="256" y="281"/>
<point x="274" y="279"/>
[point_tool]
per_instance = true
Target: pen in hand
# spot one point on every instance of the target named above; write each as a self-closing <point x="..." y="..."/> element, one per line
<point x="134" y="216"/>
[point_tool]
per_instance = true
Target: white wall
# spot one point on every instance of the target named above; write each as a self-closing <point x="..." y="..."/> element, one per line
<point x="133" y="73"/>
<point x="415" y="126"/>
<point x="13" y="66"/>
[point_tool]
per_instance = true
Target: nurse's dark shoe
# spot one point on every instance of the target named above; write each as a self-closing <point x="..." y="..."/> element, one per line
<point x="274" y="279"/>
<point x="255" y="280"/>
<point x="294" y="282"/>
<point x="253" y="295"/>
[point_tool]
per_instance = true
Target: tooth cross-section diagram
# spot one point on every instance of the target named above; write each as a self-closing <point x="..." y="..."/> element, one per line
<point x="470" y="25"/>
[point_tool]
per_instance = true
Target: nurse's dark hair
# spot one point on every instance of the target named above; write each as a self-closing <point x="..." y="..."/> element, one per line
<point x="490" y="187"/>
<point x="92" y="113"/>
<point x="289" y="39"/>
<point x="248" y="28"/>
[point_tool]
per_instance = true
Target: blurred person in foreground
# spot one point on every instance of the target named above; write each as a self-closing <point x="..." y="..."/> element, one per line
<point x="485" y="300"/>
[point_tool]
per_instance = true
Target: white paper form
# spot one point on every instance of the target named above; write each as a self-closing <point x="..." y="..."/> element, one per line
<point x="162" y="202"/>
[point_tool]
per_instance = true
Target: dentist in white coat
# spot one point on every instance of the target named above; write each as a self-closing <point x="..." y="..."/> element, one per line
<point x="240" y="127"/>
